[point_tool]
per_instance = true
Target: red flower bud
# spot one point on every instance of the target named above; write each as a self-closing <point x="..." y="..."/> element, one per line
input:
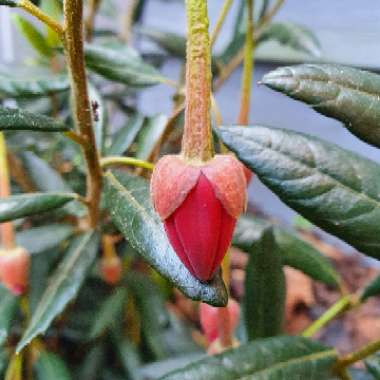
<point x="199" y="205"/>
<point x="14" y="269"/>
<point x="209" y="319"/>
<point x="111" y="269"/>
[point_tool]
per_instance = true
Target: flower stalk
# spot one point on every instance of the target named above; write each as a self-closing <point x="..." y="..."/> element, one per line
<point x="73" y="44"/>
<point x="219" y="23"/>
<point x="197" y="138"/>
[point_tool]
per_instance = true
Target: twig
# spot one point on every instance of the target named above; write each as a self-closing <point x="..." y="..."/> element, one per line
<point x="358" y="355"/>
<point x="130" y="161"/>
<point x="219" y="23"/>
<point x="93" y="6"/>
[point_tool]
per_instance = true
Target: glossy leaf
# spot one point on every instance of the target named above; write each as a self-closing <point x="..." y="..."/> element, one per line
<point x="49" y="366"/>
<point x="27" y="84"/>
<point x="294" y="251"/>
<point x="35" y="38"/>
<point x="110" y="311"/>
<point x="8" y="306"/>
<point x="373" y="366"/>
<point x="372" y="289"/>
<point x="15" y="119"/>
<point x="126" y="135"/>
<point x="264" y="300"/>
<point x="281" y="358"/>
<point x="121" y="65"/>
<point x="293" y="35"/>
<point x="349" y="95"/>
<point x="173" y="43"/>
<point x="63" y="285"/>
<point x="150" y="135"/>
<point x="19" y="206"/>
<point x="335" y="189"/>
<point x="128" y="201"/>
<point x="41" y="239"/>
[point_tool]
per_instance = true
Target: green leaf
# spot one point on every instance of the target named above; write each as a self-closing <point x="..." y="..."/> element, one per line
<point x="93" y="363"/>
<point x="124" y="137"/>
<point x="122" y="65"/>
<point x="63" y="285"/>
<point x="129" y="358"/>
<point x="53" y="8"/>
<point x="51" y="180"/>
<point x="33" y="36"/>
<point x="294" y="251"/>
<point x="349" y="95"/>
<point x="285" y="358"/>
<point x="21" y="84"/>
<point x="373" y="366"/>
<point x="19" y="206"/>
<point x="150" y="135"/>
<point x="128" y="201"/>
<point x="9" y="3"/>
<point x="296" y="36"/>
<point x="172" y="43"/>
<point x="372" y="289"/>
<point x="335" y="189"/>
<point x="360" y="374"/>
<point x="100" y="116"/>
<point x="110" y="311"/>
<point x="15" y="119"/>
<point x="264" y="301"/>
<point x="41" y="239"/>
<point x="8" y="306"/>
<point x="49" y="366"/>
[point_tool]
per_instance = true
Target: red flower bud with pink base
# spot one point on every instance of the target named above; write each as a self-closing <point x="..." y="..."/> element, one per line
<point x="209" y="319"/>
<point x="14" y="269"/>
<point x="199" y="206"/>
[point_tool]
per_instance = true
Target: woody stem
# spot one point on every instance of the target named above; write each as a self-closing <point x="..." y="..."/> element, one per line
<point x="197" y="142"/>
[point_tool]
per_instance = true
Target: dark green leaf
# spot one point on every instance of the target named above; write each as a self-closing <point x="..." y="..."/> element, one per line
<point x="33" y="36"/>
<point x="372" y="289"/>
<point x="129" y="358"/>
<point x="150" y="135"/>
<point x="16" y="119"/>
<point x="350" y="95"/>
<point x="121" y="65"/>
<point x="9" y="3"/>
<point x="19" y="206"/>
<point x="293" y="35"/>
<point x="373" y="366"/>
<point x="14" y="84"/>
<point x="360" y="374"/>
<point x="127" y="199"/>
<point x="93" y="363"/>
<point x="49" y="366"/>
<point x="41" y="239"/>
<point x="335" y="189"/>
<point x="109" y="313"/>
<point x="264" y="289"/>
<point x="173" y="43"/>
<point x="294" y="251"/>
<point x="123" y="138"/>
<point x="8" y="305"/>
<point x="63" y="285"/>
<point x="281" y="358"/>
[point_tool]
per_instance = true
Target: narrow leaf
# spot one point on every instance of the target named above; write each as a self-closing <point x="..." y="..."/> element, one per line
<point x="296" y="36"/>
<point x="128" y="201"/>
<point x="22" y="84"/>
<point x="19" y="206"/>
<point x="150" y="135"/>
<point x="285" y="358"/>
<point x="349" y="95"/>
<point x="373" y="366"/>
<point x="63" y="285"/>
<point x="264" y="301"/>
<point x="123" y="138"/>
<point x="110" y="311"/>
<point x="121" y="65"/>
<point x="371" y="290"/>
<point x="335" y="189"/>
<point x="8" y="306"/>
<point x="16" y="119"/>
<point x="9" y="3"/>
<point x="129" y="358"/>
<point x="49" y="366"/>
<point x="41" y="239"/>
<point x="33" y="36"/>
